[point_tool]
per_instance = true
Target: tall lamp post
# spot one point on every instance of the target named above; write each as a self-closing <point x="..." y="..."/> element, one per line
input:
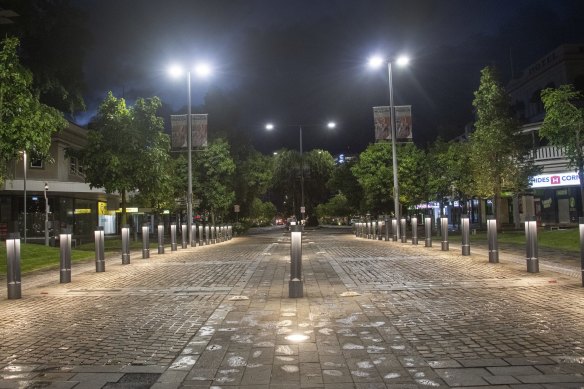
<point x="202" y="70"/>
<point x="269" y="127"/>
<point x="24" y="165"/>
<point x="376" y="62"/>
<point x="46" y="215"/>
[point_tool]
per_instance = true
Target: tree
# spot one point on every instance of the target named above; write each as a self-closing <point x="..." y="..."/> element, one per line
<point x="25" y="123"/>
<point x="126" y="150"/>
<point x="563" y="126"/>
<point x="337" y="206"/>
<point x="318" y="167"/>
<point x="498" y="157"/>
<point x="54" y="39"/>
<point x="213" y="170"/>
<point x="344" y="182"/>
<point x="413" y="172"/>
<point x="374" y="174"/>
<point x="252" y="179"/>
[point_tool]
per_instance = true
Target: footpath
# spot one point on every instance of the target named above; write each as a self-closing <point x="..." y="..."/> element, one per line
<point x="374" y="314"/>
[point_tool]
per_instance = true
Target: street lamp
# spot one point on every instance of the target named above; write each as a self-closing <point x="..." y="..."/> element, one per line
<point x="201" y="70"/>
<point x="376" y="62"/>
<point x="271" y="126"/>
<point x="46" y="215"/>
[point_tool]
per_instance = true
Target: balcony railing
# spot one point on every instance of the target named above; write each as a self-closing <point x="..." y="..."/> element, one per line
<point x="547" y="152"/>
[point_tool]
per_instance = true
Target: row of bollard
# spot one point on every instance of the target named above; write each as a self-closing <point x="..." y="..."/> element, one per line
<point x="377" y="229"/>
<point x="206" y="235"/>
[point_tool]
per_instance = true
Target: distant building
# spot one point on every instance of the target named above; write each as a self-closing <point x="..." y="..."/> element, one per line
<point x="72" y="203"/>
<point x="556" y="198"/>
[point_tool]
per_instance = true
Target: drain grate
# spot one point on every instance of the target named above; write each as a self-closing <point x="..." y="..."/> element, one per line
<point x="134" y="381"/>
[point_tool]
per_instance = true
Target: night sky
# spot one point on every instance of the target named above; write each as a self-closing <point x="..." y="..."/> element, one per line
<point x="305" y="62"/>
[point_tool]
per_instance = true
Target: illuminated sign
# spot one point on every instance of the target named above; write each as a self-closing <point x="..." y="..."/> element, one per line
<point x="128" y="210"/>
<point x="555" y="179"/>
<point x="82" y="211"/>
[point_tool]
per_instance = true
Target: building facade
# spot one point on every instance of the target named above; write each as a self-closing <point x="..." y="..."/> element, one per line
<point x="73" y="205"/>
<point x="554" y="196"/>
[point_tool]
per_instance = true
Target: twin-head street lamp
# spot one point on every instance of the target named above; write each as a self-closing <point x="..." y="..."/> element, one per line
<point x="269" y="127"/>
<point x="376" y="62"/>
<point x="201" y="70"/>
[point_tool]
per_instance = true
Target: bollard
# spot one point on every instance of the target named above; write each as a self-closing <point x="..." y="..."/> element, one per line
<point x="230" y="230"/>
<point x="201" y="236"/>
<point x="194" y="235"/>
<point x="13" y="267"/>
<point x="295" y="287"/>
<point x="368" y="230"/>
<point x="173" y="244"/>
<point x="99" y="250"/>
<point x="465" y="226"/>
<point x="207" y="232"/>
<point x="65" y="257"/>
<point x="379" y="229"/>
<point x="145" y="241"/>
<point x="374" y="230"/>
<point x="212" y="233"/>
<point x="428" y="229"/>
<point x="444" y="232"/>
<point x="404" y="236"/>
<point x="581" y="221"/>
<point x="161" y="239"/>
<point x="183" y="232"/>
<point x="414" y="225"/>
<point x="386" y="220"/>
<point x="531" y="245"/>
<point x="394" y="228"/>
<point x="492" y="238"/>
<point x="125" y="245"/>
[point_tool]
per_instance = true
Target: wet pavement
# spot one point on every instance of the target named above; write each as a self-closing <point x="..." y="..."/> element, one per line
<point x="374" y="314"/>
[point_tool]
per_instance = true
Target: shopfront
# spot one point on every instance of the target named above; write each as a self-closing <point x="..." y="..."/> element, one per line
<point x="556" y="198"/>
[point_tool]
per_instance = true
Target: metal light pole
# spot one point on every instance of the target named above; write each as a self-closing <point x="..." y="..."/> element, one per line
<point x="402" y="61"/>
<point x="190" y="162"/>
<point x="24" y="166"/>
<point x="302" y="209"/>
<point x="393" y="152"/>
<point x="201" y="70"/>
<point x="46" y="215"/>
<point x="270" y="127"/>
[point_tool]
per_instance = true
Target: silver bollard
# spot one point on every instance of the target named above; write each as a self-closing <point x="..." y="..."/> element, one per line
<point x="184" y="237"/>
<point x="444" y="232"/>
<point x="386" y="221"/>
<point x="193" y="235"/>
<point x="13" y="267"/>
<point x="230" y="228"/>
<point x="581" y="222"/>
<point x="65" y="257"/>
<point x="99" y="250"/>
<point x="145" y="241"/>
<point x="394" y="228"/>
<point x="161" y="239"/>
<point x="404" y="236"/>
<point x="212" y="232"/>
<point x="414" y="225"/>
<point x="295" y="285"/>
<point x="531" y="245"/>
<point x="465" y="226"/>
<point x="428" y="229"/>
<point x="207" y="232"/>
<point x="173" y="244"/>
<point x="379" y="229"/>
<point x="125" y="245"/>
<point x="492" y="239"/>
<point x="201" y="235"/>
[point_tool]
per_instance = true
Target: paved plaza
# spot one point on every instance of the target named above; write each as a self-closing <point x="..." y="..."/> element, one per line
<point x="374" y="314"/>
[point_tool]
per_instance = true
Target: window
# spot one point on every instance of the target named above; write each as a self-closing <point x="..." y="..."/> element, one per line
<point x="36" y="163"/>
<point x="75" y="167"/>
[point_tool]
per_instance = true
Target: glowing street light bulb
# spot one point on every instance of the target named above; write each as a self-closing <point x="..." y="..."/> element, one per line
<point x="175" y="71"/>
<point x="402" y="61"/>
<point x="375" y="61"/>
<point x="269" y="126"/>
<point x="203" y="70"/>
<point x="331" y="124"/>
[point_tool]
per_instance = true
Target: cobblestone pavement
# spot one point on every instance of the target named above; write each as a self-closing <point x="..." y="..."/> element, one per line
<point x="375" y="315"/>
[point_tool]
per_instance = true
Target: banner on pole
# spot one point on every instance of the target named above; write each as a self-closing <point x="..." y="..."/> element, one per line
<point x="381" y="120"/>
<point x="179" y="130"/>
<point x="403" y="125"/>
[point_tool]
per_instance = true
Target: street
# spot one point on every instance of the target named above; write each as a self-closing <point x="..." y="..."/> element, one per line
<point x="374" y="314"/>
